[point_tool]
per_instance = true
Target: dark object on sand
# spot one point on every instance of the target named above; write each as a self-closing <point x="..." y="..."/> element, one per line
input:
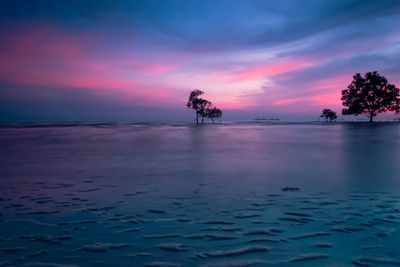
<point x="290" y="189"/>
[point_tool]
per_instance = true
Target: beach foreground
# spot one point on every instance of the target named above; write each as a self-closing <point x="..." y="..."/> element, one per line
<point x="170" y="195"/>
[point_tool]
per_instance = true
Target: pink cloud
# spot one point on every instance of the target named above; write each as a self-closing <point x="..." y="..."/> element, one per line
<point x="331" y="88"/>
<point x="144" y="66"/>
<point x="328" y="99"/>
<point x="288" y="101"/>
<point x="268" y="70"/>
<point x="229" y="105"/>
<point x="48" y="57"/>
<point x="158" y="68"/>
<point x="320" y="99"/>
<point x="337" y="83"/>
<point x="51" y="58"/>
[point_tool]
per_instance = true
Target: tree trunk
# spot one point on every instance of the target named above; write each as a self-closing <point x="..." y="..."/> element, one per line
<point x="202" y="119"/>
<point x="212" y="119"/>
<point x="371" y="116"/>
<point x="197" y="118"/>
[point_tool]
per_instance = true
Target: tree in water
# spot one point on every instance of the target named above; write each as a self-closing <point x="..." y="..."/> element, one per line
<point x="204" y="105"/>
<point x="370" y="95"/>
<point x="213" y="113"/>
<point x="198" y="104"/>
<point x="328" y="114"/>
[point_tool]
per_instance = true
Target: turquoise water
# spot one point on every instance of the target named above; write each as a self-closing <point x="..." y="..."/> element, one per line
<point x="170" y="195"/>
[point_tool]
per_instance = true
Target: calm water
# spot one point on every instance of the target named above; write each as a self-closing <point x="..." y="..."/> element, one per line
<point x="170" y="195"/>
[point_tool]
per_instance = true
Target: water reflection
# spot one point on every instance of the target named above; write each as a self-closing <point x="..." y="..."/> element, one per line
<point x="313" y="157"/>
<point x="189" y="195"/>
<point x="371" y="156"/>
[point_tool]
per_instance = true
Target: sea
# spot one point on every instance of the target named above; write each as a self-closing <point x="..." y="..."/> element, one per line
<point x="247" y="193"/>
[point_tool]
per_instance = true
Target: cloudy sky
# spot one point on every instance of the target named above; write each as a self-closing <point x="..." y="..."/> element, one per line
<point x="138" y="60"/>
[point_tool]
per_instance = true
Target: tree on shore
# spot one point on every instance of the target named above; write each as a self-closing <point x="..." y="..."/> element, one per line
<point x="370" y="95"/>
<point x="328" y="114"/>
<point x="213" y="113"/>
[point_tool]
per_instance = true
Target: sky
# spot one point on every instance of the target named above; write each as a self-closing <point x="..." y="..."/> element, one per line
<point x="139" y="60"/>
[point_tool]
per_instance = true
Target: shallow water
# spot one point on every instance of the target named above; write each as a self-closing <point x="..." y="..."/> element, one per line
<point x="167" y="195"/>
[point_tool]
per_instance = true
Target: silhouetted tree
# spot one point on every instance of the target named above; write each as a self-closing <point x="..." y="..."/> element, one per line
<point x="204" y="105"/>
<point x="328" y="114"/>
<point x="198" y="104"/>
<point x="213" y="113"/>
<point x="370" y="95"/>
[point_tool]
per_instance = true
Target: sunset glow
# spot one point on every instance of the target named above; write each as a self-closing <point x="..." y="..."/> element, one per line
<point x="118" y="56"/>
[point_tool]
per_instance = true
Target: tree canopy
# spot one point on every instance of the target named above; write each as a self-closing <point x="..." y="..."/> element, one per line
<point x="370" y="95"/>
<point x="328" y="114"/>
<point x="213" y="113"/>
<point x="202" y="107"/>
